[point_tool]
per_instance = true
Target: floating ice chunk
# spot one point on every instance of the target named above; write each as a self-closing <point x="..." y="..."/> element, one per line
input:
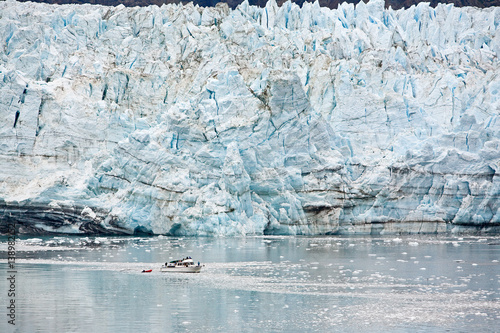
<point x="33" y="240"/>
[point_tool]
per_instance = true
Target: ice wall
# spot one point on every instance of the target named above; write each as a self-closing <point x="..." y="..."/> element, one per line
<point x="280" y="120"/>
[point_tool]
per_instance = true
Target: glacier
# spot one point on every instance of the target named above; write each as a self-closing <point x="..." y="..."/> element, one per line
<point x="183" y="120"/>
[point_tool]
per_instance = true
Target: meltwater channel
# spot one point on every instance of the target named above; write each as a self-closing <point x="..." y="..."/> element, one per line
<point x="256" y="284"/>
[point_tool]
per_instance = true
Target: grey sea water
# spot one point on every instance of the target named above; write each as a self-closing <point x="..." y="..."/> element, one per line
<point x="255" y="284"/>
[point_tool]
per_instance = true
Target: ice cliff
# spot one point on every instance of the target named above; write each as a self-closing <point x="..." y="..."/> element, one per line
<point x="279" y="120"/>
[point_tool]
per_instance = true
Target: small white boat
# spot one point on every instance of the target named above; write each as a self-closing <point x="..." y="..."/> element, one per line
<point x="185" y="265"/>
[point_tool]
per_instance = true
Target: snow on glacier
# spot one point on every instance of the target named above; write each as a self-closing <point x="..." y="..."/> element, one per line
<point x="288" y="120"/>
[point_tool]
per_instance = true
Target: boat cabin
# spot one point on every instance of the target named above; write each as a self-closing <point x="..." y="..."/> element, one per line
<point x="180" y="263"/>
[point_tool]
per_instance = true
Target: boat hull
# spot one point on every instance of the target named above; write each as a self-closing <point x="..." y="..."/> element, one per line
<point x="193" y="269"/>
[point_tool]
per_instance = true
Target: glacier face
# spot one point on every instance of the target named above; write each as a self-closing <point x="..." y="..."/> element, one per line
<point x="280" y="120"/>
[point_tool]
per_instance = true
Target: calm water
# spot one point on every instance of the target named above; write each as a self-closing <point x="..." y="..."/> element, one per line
<point x="256" y="284"/>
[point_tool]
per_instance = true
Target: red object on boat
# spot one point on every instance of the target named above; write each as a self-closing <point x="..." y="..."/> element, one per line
<point x="147" y="271"/>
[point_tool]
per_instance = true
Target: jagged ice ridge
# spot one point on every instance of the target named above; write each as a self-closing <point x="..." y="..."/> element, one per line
<point x="279" y="120"/>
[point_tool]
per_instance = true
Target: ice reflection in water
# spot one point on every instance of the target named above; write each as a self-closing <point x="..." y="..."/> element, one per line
<point x="291" y="284"/>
